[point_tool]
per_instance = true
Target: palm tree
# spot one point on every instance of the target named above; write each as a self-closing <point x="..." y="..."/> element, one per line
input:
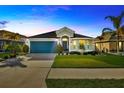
<point x="100" y="38"/>
<point x="117" y="24"/>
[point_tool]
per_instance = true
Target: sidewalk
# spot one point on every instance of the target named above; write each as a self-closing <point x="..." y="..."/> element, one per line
<point x="86" y="73"/>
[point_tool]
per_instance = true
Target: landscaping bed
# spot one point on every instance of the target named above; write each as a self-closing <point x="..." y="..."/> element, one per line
<point x="85" y="83"/>
<point x="88" y="61"/>
<point x="2" y="55"/>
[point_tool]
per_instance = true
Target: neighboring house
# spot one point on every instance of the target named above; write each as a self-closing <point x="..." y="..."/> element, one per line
<point x="107" y="42"/>
<point x="7" y="37"/>
<point x="71" y="41"/>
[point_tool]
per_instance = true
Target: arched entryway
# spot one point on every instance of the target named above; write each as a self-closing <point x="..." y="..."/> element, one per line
<point x="65" y="43"/>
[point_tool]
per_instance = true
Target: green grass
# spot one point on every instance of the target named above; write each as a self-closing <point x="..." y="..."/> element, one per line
<point x="88" y="61"/>
<point x="85" y="83"/>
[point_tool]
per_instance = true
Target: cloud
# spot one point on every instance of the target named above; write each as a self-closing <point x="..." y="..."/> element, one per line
<point x="3" y="24"/>
<point x="56" y="8"/>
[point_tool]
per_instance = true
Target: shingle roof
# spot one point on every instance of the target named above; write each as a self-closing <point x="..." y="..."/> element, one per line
<point x="52" y="34"/>
<point x="45" y="35"/>
<point x="81" y="36"/>
<point x="5" y="31"/>
<point x="108" y="36"/>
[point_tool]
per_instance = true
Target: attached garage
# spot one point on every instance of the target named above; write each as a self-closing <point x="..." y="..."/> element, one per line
<point x="43" y="46"/>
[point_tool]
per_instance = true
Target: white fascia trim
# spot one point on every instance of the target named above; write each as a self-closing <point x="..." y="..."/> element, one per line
<point x="43" y="39"/>
<point x="82" y="38"/>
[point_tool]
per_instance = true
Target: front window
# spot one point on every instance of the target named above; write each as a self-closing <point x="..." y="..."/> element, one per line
<point x="120" y="45"/>
<point x="88" y="46"/>
<point x="81" y="44"/>
<point x="74" y="44"/>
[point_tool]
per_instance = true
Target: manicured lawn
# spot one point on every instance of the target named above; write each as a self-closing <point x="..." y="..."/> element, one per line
<point x="88" y="61"/>
<point x="85" y="83"/>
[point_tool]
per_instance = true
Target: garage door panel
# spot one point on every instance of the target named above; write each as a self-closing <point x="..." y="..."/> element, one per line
<point x="43" y="46"/>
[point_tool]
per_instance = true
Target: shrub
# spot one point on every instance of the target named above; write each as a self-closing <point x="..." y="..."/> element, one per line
<point x="75" y="52"/>
<point x="9" y="48"/>
<point x="17" y="48"/>
<point x="12" y="55"/>
<point x="90" y="53"/>
<point x="59" y="49"/>
<point x="5" y="47"/>
<point x="25" y="48"/>
<point x="6" y="57"/>
<point x="81" y="46"/>
<point x="12" y="48"/>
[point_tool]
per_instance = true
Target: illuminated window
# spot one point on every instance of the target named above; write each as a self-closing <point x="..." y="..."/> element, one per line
<point x="96" y="45"/>
<point x="64" y="39"/>
<point x="81" y="41"/>
<point x="81" y="44"/>
<point x="120" y="45"/>
<point x="74" y="44"/>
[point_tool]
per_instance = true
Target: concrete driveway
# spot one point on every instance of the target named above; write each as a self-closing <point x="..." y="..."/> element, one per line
<point x="33" y="76"/>
<point x="42" y="56"/>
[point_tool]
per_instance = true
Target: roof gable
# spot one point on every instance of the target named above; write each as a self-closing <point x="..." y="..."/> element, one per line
<point x="81" y="36"/>
<point x="65" y="32"/>
<point x="53" y="34"/>
<point x="106" y="36"/>
<point x="45" y="35"/>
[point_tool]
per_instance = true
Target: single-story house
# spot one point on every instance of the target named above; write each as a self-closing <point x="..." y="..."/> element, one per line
<point x="69" y="39"/>
<point x="8" y="37"/>
<point x="10" y="42"/>
<point x="107" y="42"/>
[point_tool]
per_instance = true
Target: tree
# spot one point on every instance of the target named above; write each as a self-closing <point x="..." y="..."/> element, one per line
<point x="12" y="48"/>
<point x="117" y="24"/>
<point x="25" y="48"/>
<point x="5" y="47"/>
<point x="59" y="49"/>
<point x="9" y="48"/>
<point x="17" y="48"/>
<point x="100" y="38"/>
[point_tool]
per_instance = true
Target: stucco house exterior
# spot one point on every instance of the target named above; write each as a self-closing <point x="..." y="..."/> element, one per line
<point x="69" y="39"/>
<point x="108" y="42"/>
<point x="6" y="38"/>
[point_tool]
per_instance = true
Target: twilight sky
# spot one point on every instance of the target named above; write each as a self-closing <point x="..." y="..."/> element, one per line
<point x="33" y="19"/>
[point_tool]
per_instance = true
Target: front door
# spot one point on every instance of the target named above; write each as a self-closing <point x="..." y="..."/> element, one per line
<point x="65" y="43"/>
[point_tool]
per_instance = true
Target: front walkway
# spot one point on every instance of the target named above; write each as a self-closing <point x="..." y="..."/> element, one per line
<point x="86" y="73"/>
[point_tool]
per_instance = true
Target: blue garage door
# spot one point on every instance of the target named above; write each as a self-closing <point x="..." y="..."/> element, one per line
<point x="43" y="46"/>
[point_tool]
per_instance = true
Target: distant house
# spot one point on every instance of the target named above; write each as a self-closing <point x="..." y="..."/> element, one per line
<point x="7" y="37"/>
<point x="108" y="42"/>
<point x="69" y="39"/>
